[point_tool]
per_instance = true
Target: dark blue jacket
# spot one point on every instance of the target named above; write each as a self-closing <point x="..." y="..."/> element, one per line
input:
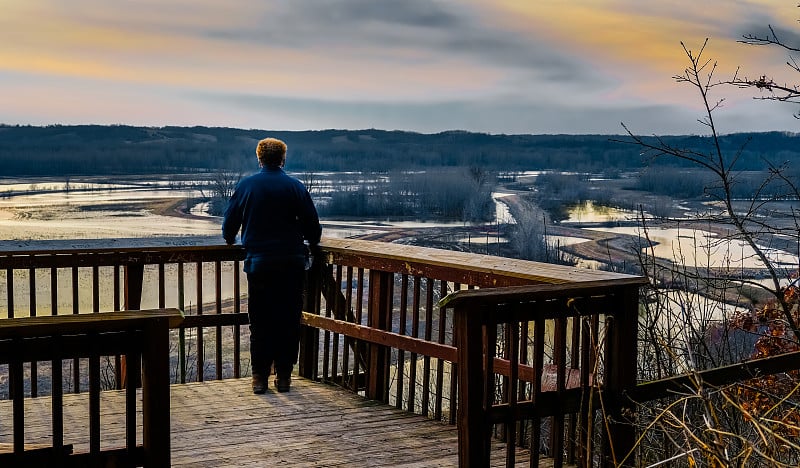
<point x="275" y="213"/>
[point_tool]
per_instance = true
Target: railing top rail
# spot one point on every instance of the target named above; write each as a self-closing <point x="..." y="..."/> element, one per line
<point x="49" y="325"/>
<point x="408" y="259"/>
<point x="534" y="292"/>
<point x="102" y="246"/>
<point x="461" y="267"/>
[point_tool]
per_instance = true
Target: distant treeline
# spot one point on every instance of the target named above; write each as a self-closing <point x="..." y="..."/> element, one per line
<point x="120" y="149"/>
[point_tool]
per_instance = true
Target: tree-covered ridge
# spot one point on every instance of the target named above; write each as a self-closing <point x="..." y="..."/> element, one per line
<point x="120" y="149"/>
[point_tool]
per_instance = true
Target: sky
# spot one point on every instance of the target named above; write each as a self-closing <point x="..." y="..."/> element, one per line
<point x="495" y="66"/>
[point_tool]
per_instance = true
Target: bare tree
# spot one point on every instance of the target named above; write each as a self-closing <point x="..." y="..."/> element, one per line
<point x="776" y="91"/>
<point x="221" y="187"/>
<point x="752" y="423"/>
<point x="745" y="217"/>
<point x="309" y="179"/>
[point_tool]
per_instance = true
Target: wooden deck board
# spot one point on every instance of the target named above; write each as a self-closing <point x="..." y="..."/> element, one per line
<point x="222" y="423"/>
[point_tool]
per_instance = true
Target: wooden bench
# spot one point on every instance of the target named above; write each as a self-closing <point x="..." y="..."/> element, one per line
<point x="141" y="336"/>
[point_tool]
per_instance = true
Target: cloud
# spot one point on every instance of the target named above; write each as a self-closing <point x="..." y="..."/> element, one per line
<point x="500" y="66"/>
<point x="410" y="32"/>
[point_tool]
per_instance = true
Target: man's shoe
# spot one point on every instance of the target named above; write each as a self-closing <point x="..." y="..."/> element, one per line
<point x="259" y="384"/>
<point x="283" y="384"/>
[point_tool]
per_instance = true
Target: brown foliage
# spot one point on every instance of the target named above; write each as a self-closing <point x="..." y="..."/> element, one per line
<point x="773" y="398"/>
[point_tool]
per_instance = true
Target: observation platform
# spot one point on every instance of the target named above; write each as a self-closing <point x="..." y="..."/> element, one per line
<point x="222" y="423"/>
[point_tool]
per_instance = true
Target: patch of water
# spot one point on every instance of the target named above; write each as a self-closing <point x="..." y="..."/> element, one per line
<point x="589" y="212"/>
<point x="697" y="248"/>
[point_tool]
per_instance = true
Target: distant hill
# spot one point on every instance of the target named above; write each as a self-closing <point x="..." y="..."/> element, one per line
<point x="121" y="149"/>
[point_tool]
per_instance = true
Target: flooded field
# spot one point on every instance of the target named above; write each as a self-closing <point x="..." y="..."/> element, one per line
<point x="700" y="248"/>
<point x="146" y="207"/>
<point x="90" y="209"/>
<point x="159" y="206"/>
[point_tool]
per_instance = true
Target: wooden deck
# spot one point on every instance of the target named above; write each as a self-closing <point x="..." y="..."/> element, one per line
<point x="221" y="423"/>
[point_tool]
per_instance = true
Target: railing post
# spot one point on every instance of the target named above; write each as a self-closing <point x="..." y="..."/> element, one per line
<point x="155" y="394"/>
<point x="620" y="375"/>
<point x="134" y="280"/>
<point x="379" y="309"/>
<point x="309" y="336"/>
<point x="134" y="277"/>
<point x="473" y="437"/>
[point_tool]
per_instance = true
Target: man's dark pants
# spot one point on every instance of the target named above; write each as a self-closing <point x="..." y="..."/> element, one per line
<point x="274" y="305"/>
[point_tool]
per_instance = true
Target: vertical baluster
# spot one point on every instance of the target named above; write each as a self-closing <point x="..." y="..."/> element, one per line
<point x="118" y="382"/>
<point x="437" y="413"/>
<point x="506" y="387"/>
<point x="523" y="359"/>
<point x="95" y="289"/>
<point x="57" y="398"/>
<point x="94" y="359"/>
<point x="237" y="333"/>
<point x="560" y="361"/>
<point x="201" y="359"/>
<point x="53" y="291"/>
<point x="574" y="361"/>
<point x="536" y="391"/>
<point x="94" y="374"/>
<point x="76" y="306"/>
<point x="426" y="360"/>
<point x="56" y="381"/>
<point x="359" y="320"/>
<point x="16" y="376"/>
<point x="181" y="330"/>
<point x="116" y="288"/>
<point x="329" y="299"/>
<point x="94" y="403"/>
<point x="454" y="372"/>
<point x="490" y="382"/>
<point x="10" y="314"/>
<point x="162" y="286"/>
<point x="412" y="371"/>
<point x="401" y="355"/>
<point x="513" y="381"/>
<point x="10" y="292"/>
<point x="389" y="320"/>
<point x="131" y="397"/>
<point x="218" y="303"/>
<point x="32" y="292"/>
<point x="584" y="430"/>
<point x="117" y="304"/>
<point x="32" y="312"/>
<point x="348" y="343"/>
<point x="340" y="315"/>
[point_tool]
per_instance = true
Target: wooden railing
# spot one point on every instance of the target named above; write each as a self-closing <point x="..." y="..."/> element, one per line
<point x="195" y="275"/>
<point x="372" y="317"/>
<point x="396" y="324"/>
<point x="141" y="336"/>
<point x="508" y="384"/>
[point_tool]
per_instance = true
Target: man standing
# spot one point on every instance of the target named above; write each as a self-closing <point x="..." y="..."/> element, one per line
<point x="276" y="214"/>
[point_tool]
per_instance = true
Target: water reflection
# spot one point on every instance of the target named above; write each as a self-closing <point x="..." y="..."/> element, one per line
<point x="699" y="248"/>
<point x="589" y="212"/>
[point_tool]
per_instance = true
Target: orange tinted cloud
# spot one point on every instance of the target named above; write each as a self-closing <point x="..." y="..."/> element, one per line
<point x="95" y="48"/>
<point x="640" y="43"/>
